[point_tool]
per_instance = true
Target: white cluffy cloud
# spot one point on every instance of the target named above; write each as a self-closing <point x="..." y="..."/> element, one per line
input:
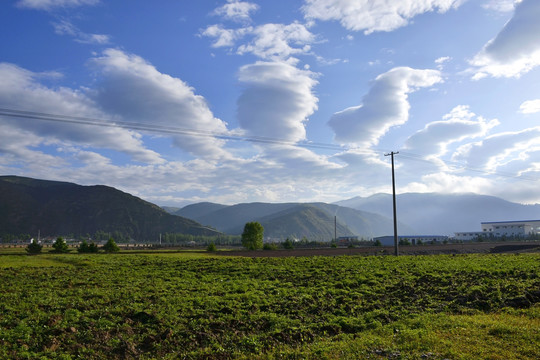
<point x="22" y="89"/>
<point x="516" y="49"/>
<point x="460" y="124"/>
<point x="50" y="4"/>
<point x="235" y="10"/>
<point x="277" y="100"/>
<point x="276" y="41"/>
<point x="384" y="106"/>
<point x="500" y="5"/>
<point x="65" y="27"/>
<point x="441" y="61"/>
<point x="530" y="107"/>
<point x="135" y="90"/>
<point x="373" y="15"/>
<point x="498" y="150"/>
<point x="268" y="41"/>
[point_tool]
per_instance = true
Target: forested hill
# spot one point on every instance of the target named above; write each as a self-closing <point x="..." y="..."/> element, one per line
<point x="60" y="208"/>
<point x="312" y="220"/>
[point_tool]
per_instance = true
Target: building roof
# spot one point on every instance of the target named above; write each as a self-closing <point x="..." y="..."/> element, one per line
<point x="509" y="222"/>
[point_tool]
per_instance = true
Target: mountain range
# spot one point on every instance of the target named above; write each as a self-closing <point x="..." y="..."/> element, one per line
<point x="417" y="213"/>
<point x="444" y="214"/>
<point x="315" y="221"/>
<point x="60" y="208"/>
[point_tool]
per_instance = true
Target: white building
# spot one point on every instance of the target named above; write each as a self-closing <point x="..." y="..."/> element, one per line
<point x="511" y="228"/>
<point x="468" y="235"/>
<point x="412" y="239"/>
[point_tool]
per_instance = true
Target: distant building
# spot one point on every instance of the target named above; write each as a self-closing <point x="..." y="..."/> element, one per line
<point x="468" y="235"/>
<point x="413" y="239"/>
<point x="511" y="228"/>
<point x="346" y="240"/>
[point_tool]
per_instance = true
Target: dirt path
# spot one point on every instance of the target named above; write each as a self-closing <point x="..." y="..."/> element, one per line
<point x="389" y="250"/>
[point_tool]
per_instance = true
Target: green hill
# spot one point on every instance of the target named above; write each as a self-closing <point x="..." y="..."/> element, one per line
<point x="59" y="208"/>
<point x="282" y="220"/>
<point x="303" y="220"/>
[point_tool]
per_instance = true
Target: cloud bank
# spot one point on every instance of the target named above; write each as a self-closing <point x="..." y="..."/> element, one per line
<point x="135" y="90"/>
<point x="516" y="49"/>
<point x="373" y="15"/>
<point x="51" y="4"/>
<point x="276" y="101"/>
<point x="384" y="106"/>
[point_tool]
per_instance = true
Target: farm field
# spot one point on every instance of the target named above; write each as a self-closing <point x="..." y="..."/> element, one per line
<point x="197" y="305"/>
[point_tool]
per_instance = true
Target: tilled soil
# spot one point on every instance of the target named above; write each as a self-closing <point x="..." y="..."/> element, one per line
<point x="472" y="248"/>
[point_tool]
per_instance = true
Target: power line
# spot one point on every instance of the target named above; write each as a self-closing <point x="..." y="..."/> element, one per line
<point x="161" y="129"/>
<point x="462" y="165"/>
<point x="156" y="128"/>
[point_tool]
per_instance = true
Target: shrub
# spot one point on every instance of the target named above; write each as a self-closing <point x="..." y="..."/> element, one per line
<point x="270" y="246"/>
<point x="288" y="244"/>
<point x="34" y="247"/>
<point x="211" y="247"/>
<point x="84" y="247"/>
<point x="60" y="246"/>
<point x="110" y="246"/>
<point x="404" y="242"/>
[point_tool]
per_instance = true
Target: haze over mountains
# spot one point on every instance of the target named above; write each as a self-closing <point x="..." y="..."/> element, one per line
<point x="418" y="214"/>
<point x="444" y="214"/>
<point x="312" y="220"/>
<point x="59" y="208"/>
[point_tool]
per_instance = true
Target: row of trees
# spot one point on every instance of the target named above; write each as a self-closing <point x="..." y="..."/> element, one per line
<point x="61" y="247"/>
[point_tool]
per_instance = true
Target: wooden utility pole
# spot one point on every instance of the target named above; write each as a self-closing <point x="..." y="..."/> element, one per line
<point x="396" y="250"/>
<point x="335" y="229"/>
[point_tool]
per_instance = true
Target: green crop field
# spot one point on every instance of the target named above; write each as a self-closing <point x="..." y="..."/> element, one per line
<point x="199" y="306"/>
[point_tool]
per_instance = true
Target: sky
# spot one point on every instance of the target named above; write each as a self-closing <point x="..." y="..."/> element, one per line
<point x="230" y="101"/>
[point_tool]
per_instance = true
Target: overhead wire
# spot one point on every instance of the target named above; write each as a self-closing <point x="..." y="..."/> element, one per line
<point x="157" y="128"/>
<point x="160" y="129"/>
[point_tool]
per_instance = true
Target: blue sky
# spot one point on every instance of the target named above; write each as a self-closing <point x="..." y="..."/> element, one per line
<point x="277" y="101"/>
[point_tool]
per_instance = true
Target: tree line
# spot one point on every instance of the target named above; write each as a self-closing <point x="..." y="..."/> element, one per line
<point x="61" y="247"/>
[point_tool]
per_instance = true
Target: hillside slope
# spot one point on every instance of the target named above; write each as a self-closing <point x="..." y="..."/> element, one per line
<point x="444" y="214"/>
<point x="313" y="220"/>
<point x="59" y="208"/>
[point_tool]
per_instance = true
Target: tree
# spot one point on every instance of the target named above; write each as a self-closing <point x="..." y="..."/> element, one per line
<point x="268" y="246"/>
<point x="84" y="247"/>
<point x="60" y="246"/>
<point x="252" y="237"/>
<point x="404" y="242"/>
<point x="110" y="246"/>
<point x="34" y="247"/>
<point x="288" y="244"/>
<point x="211" y="247"/>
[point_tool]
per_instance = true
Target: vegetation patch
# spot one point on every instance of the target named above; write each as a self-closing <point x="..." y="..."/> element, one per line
<point x="132" y="305"/>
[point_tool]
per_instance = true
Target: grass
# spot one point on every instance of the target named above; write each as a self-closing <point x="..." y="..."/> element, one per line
<point x="195" y="305"/>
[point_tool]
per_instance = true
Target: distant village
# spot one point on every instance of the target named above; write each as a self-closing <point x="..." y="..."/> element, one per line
<point x="491" y="231"/>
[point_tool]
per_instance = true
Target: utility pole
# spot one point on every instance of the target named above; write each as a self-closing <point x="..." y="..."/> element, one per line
<point x="335" y="229"/>
<point x="396" y="250"/>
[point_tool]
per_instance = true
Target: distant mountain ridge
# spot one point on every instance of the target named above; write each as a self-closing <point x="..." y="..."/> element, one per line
<point x="61" y="208"/>
<point x="418" y="214"/>
<point x="312" y="220"/>
<point x="444" y="214"/>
